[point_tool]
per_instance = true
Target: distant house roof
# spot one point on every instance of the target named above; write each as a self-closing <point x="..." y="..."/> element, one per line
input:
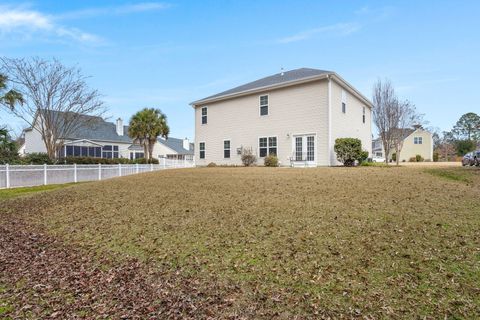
<point x="97" y="129"/>
<point x="277" y="80"/>
<point x="176" y="145"/>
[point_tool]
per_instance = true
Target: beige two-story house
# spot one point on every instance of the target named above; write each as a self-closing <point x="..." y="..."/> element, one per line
<point x="296" y="115"/>
<point x="416" y="141"/>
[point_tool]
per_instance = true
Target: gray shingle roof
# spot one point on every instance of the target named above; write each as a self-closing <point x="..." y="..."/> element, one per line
<point x="279" y="78"/>
<point x="97" y="129"/>
<point x="176" y="145"/>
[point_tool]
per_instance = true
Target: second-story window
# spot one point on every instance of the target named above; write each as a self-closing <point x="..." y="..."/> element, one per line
<point x="417" y="140"/>
<point x="264" y="105"/>
<point x="204" y="115"/>
<point x="363" y="116"/>
<point x="344" y="101"/>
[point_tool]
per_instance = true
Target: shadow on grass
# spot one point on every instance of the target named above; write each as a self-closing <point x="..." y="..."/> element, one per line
<point x="16" y="192"/>
<point x="457" y="174"/>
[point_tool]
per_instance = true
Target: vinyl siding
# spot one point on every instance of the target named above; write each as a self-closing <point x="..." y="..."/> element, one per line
<point x="300" y="109"/>
<point x="410" y="149"/>
<point x="350" y="124"/>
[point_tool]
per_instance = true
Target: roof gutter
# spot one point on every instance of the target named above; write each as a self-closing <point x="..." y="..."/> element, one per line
<point x="331" y="75"/>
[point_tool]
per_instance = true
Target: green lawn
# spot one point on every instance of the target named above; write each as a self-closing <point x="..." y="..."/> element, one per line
<point x="16" y="192"/>
<point x="331" y="242"/>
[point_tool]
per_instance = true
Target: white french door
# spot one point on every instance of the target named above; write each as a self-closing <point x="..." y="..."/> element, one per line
<point x="304" y="149"/>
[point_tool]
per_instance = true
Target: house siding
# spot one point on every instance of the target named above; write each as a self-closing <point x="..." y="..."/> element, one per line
<point x="410" y="149"/>
<point x="349" y="124"/>
<point x="299" y="109"/>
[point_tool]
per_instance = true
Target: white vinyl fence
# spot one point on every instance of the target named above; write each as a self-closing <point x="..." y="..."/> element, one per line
<point x="12" y="176"/>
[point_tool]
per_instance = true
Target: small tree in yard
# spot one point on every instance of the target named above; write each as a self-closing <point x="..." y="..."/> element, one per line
<point x="392" y="117"/>
<point x="348" y="151"/>
<point x="248" y="158"/>
<point x="55" y="95"/>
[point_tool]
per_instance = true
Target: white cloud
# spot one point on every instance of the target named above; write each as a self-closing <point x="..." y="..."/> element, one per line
<point x="29" y="22"/>
<point x="116" y="10"/>
<point x="339" y="29"/>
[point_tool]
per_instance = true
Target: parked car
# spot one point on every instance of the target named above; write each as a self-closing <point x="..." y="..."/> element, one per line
<point x="378" y="159"/>
<point x="468" y="159"/>
<point x="476" y="158"/>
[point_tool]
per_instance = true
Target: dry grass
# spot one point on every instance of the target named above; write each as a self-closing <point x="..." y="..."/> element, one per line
<point x="332" y="242"/>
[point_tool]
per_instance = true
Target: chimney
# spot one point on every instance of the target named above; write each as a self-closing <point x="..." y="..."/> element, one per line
<point x="186" y="144"/>
<point x="120" y="126"/>
<point x="281" y="71"/>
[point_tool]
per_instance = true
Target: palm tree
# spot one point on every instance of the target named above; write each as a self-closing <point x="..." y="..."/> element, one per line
<point x="11" y="97"/>
<point x="146" y="126"/>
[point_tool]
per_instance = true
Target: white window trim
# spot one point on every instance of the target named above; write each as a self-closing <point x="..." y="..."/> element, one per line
<point x="223" y="148"/>
<point x="201" y="115"/>
<point x="260" y="106"/>
<point x="268" y="144"/>
<point x="315" y="146"/>
<point x="344" y="100"/>
<point x="204" y="150"/>
<point x="417" y="140"/>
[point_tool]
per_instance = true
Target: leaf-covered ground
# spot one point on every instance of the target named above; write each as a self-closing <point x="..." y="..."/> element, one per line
<point x="247" y="243"/>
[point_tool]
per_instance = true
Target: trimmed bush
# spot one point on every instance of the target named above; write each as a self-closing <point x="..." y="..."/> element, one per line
<point x="248" y="158"/>
<point x="348" y="151"/>
<point x="419" y="158"/>
<point x="394" y="156"/>
<point x="363" y="156"/>
<point x="435" y="157"/>
<point x="36" y="158"/>
<point x="271" y="161"/>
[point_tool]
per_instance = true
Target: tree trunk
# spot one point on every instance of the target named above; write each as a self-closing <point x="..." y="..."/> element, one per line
<point x="397" y="156"/>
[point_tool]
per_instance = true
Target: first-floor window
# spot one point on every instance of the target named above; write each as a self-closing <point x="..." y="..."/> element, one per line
<point x="201" y="147"/>
<point x="110" y="152"/>
<point x="417" y="140"/>
<point x="267" y="146"/>
<point x="226" y="148"/>
<point x="81" y="151"/>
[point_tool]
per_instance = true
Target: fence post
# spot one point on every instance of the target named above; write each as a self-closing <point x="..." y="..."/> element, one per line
<point x="99" y="171"/>
<point x="151" y="166"/>
<point x="164" y="163"/>
<point x="119" y="169"/>
<point x="75" y="172"/>
<point x="7" y="172"/>
<point x="136" y="167"/>
<point x="184" y="162"/>
<point x="44" y="174"/>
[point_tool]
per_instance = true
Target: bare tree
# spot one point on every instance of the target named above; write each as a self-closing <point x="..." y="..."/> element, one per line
<point x="56" y="98"/>
<point x="392" y="117"/>
<point x="407" y="117"/>
<point x="384" y="118"/>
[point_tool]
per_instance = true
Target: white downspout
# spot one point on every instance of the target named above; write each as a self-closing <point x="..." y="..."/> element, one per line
<point x="329" y="120"/>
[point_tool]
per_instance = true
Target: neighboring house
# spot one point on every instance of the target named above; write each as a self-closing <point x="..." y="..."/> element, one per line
<point x="416" y="141"/>
<point x="296" y="115"/>
<point x="101" y="139"/>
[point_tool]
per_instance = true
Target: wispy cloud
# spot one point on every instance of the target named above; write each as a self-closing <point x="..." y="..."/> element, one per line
<point x="114" y="10"/>
<point x="29" y="22"/>
<point x="338" y="29"/>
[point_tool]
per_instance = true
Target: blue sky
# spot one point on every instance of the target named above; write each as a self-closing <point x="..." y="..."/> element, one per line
<point x="167" y="54"/>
